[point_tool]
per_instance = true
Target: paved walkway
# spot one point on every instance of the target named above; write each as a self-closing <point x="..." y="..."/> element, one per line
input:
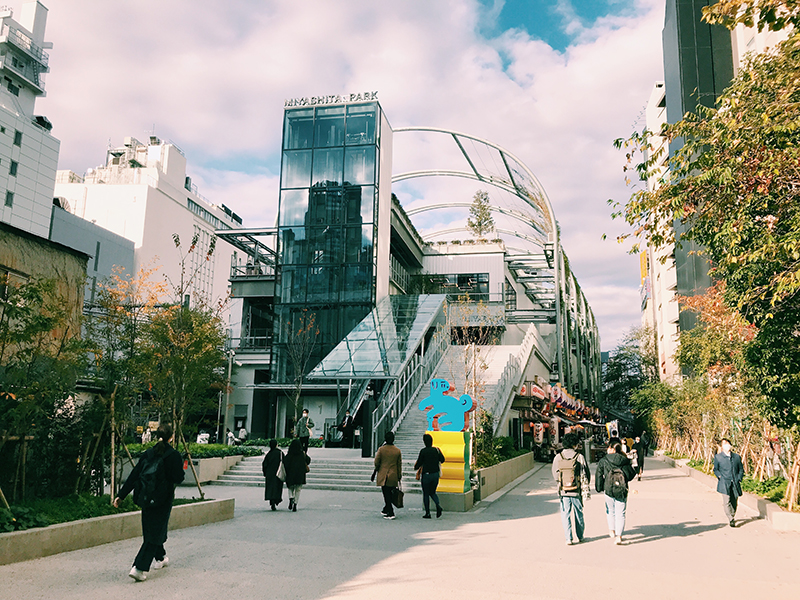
<point x="337" y="546"/>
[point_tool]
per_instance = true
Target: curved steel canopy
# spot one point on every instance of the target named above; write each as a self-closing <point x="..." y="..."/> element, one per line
<point x="535" y="213"/>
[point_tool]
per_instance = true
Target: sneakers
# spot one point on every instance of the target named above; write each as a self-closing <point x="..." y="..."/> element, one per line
<point x="570" y="543"/>
<point x="732" y="523"/>
<point x="612" y="535"/>
<point x="389" y="517"/>
<point x="137" y="574"/>
<point x="160" y="564"/>
<point x="618" y="540"/>
<point x="438" y="511"/>
<point x="426" y="516"/>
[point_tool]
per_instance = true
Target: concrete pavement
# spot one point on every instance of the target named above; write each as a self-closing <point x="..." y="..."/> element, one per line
<point x="338" y="547"/>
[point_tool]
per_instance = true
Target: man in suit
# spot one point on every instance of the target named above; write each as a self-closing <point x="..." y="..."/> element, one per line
<point x="347" y="428"/>
<point x="730" y="472"/>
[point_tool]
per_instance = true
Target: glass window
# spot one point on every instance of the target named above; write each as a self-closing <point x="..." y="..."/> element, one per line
<point x="294" y="207"/>
<point x="359" y="203"/>
<point x="359" y="165"/>
<point x="361" y="122"/>
<point x="358" y="244"/>
<point x="323" y="284"/>
<point x="328" y="167"/>
<point x="325" y="206"/>
<point x="329" y="127"/>
<point x="293" y="284"/>
<point x="293" y="246"/>
<point x="296" y="169"/>
<point x="327" y="246"/>
<point x="359" y="283"/>
<point x="298" y="129"/>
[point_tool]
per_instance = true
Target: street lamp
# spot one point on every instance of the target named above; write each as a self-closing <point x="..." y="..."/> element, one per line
<point x="230" y="354"/>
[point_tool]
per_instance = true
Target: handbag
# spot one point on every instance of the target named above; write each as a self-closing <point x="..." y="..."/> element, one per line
<point x="281" y="474"/>
<point x="397" y="496"/>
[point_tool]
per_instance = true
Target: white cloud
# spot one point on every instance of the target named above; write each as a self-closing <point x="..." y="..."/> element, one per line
<point x="213" y="77"/>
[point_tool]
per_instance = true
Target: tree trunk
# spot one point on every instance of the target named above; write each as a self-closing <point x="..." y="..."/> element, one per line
<point x="191" y="466"/>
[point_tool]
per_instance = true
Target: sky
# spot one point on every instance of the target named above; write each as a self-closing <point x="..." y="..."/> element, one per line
<point x="552" y="81"/>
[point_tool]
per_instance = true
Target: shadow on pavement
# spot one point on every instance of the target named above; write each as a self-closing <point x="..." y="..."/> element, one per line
<point x="651" y="533"/>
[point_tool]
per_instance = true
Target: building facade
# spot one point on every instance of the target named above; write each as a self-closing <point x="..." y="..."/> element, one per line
<point x="142" y="193"/>
<point x="387" y="304"/>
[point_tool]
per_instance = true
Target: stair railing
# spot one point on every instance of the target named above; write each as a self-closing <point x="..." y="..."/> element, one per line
<point x="512" y="376"/>
<point x="397" y="395"/>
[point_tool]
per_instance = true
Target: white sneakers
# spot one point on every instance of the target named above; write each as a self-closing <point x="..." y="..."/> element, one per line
<point x="160" y="564"/>
<point x="137" y="574"/>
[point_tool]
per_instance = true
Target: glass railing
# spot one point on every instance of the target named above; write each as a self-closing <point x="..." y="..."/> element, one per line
<point x="254" y="271"/>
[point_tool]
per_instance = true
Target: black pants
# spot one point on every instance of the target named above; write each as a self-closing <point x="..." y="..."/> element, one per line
<point x="155" y="522"/>
<point x="304" y="443"/>
<point x="388" y="494"/>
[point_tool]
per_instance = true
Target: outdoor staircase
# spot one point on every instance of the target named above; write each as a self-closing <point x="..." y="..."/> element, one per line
<point x="408" y="436"/>
<point x="327" y="473"/>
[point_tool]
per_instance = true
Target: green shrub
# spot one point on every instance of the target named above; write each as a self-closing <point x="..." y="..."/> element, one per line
<point x="202" y="450"/>
<point x="773" y="489"/>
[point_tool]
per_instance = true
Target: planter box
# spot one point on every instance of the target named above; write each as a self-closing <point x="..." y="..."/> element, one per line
<point x="17" y="546"/>
<point x="779" y="519"/>
<point x="496" y="477"/>
<point x="208" y="469"/>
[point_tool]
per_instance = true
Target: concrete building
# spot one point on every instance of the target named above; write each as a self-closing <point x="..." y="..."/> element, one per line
<point x="392" y="308"/>
<point x="142" y="193"/>
<point x="28" y="152"/>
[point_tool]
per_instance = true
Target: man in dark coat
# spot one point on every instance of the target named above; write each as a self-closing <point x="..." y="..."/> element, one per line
<point x="730" y="472"/>
<point x="389" y="472"/>
<point x="155" y="515"/>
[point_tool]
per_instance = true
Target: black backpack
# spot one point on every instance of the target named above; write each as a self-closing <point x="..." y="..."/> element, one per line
<point x="616" y="484"/>
<point x="148" y="492"/>
<point x="569" y="479"/>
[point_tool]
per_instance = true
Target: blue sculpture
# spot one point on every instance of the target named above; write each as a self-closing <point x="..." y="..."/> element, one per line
<point x="446" y="413"/>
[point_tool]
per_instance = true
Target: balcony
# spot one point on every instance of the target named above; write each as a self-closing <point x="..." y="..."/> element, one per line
<point x="26" y="44"/>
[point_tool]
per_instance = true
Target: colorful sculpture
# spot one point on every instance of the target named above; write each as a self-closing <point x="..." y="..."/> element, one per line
<point x="446" y="413"/>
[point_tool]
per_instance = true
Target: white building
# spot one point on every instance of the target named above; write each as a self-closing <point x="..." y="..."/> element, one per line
<point x="142" y="193"/>
<point x="28" y="153"/>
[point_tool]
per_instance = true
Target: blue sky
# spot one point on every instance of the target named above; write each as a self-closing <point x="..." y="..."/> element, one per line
<point x="559" y="23"/>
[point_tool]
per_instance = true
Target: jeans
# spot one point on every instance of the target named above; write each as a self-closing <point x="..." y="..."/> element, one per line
<point x="615" y="512"/>
<point x="572" y="511"/>
<point x="430" y="481"/>
<point x="730" y="502"/>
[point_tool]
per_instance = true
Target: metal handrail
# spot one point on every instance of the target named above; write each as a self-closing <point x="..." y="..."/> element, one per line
<point x="405" y="388"/>
<point x="512" y="374"/>
<point x="22" y="41"/>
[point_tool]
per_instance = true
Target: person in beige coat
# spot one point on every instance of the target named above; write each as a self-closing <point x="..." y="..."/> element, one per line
<point x="388" y="472"/>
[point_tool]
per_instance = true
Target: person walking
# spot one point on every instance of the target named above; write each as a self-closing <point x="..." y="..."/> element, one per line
<point x="303" y="429"/>
<point x="273" y="486"/>
<point x="295" y="463"/>
<point x="153" y="482"/>
<point x="347" y="427"/>
<point x="388" y="472"/>
<point x="641" y="451"/>
<point x="573" y="477"/>
<point x="730" y="472"/>
<point x="429" y="462"/>
<point x="614" y="471"/>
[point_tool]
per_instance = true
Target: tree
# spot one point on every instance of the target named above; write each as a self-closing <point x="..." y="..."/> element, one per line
<point x="733" y="186"/>
<point x="302" y="339"/>
<point x="480" y="222"/>
<point x="40" y="358"/>
<point x="631" y="365"/>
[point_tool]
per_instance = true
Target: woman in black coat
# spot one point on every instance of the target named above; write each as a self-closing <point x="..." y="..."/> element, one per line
<point x="155" y="512"/>
<point x="273" y="490"/>
<point x="296" y="464"/>
<point x="430" y="461"/>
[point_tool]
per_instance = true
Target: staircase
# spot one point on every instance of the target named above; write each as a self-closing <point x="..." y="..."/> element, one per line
<point x="408" y="436"/>
<point x="327" y="473"/>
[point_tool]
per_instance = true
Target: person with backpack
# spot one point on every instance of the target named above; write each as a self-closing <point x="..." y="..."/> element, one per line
<point x="573" y="476"/>
<point x="614" y="471"/>
<point x="153" y="482"/>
